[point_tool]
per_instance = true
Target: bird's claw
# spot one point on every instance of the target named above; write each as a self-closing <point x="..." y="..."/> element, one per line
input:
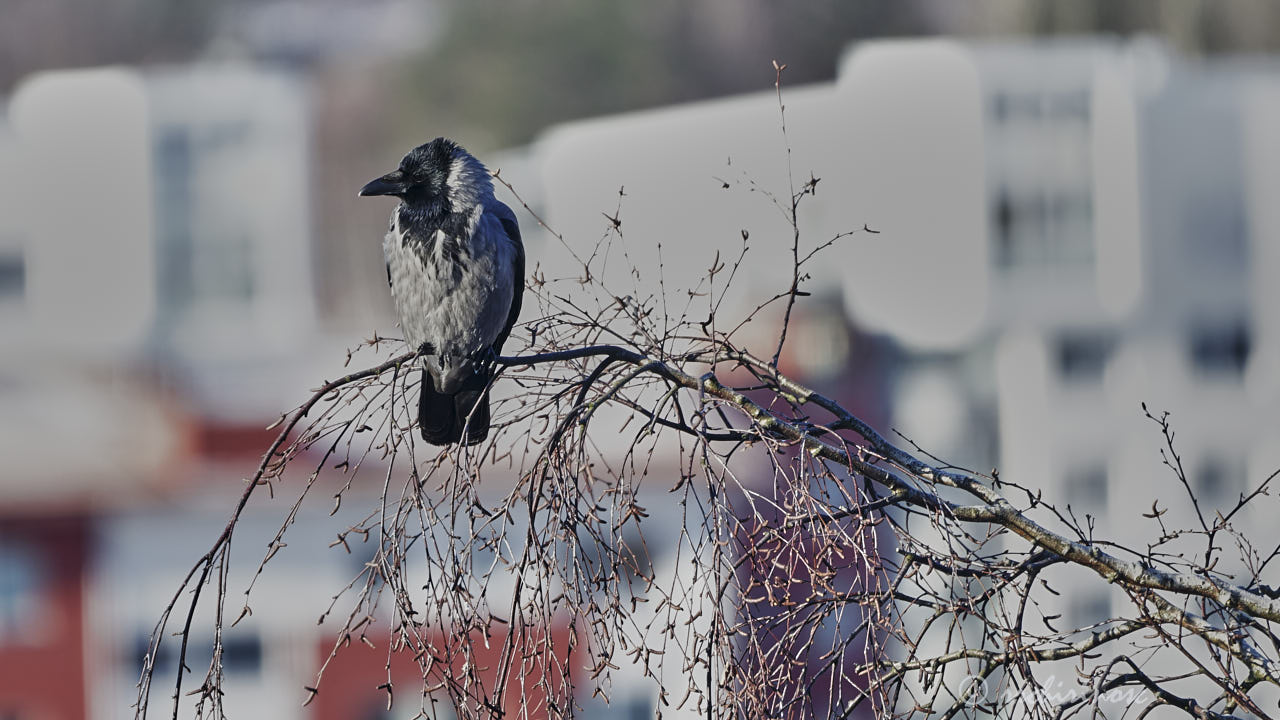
<point x="484" y="360"/>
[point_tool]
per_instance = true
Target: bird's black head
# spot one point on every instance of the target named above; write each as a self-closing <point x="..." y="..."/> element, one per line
<point x="423" y="174"/>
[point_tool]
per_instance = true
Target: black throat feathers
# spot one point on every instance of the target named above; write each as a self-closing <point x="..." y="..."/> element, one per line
<point x="424" y="223"/>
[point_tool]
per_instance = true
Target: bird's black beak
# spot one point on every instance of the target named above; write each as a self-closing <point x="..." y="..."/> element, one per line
<point x="393" y="183"/>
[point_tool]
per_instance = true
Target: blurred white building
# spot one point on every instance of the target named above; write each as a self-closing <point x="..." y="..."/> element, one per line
<point x="1128" y="233"/>
<point x="163" y="218"/>
<point x="158" y="311"/>
<point x="1068" y="228"/>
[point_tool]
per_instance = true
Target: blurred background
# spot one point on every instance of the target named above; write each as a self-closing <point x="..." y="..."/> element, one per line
<point x="1075" y="206"/>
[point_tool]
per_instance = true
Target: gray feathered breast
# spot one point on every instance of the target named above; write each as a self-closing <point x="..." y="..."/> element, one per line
<point x="453" y="283"/>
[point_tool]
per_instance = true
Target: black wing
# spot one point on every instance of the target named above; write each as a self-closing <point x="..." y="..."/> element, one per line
<point x="512" y="229"/>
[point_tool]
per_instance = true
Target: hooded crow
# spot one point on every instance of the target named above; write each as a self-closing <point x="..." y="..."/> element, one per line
<point x="455" y="264"/>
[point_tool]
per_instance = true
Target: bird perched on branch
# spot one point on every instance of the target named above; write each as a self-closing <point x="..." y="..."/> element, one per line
<point x="455" y="263"/>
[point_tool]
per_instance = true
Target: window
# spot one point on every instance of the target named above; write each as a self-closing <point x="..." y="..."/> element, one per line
<point x="602" y="556"/>
<point x="20" y="589"/>
<point x="1071" y="106"/>
<point x="141" y="644"/>
<point x="1088" y="609"/>
<point x="1036" y="107"/>
<point x="1041" y="178"/>
<point x="1046" y="227"/>
<point x="438" y="708"/>
<point x="1217" y="482"/>
<point x="222" y="267"/>
<point x="633" y="557"/>
<point x="637" y="708"/>
<point x="13" y="275"/>
<point x="205" y="249"/>
<point x="1220" y="350"/>
<point x="1082" y="356"/>
<point x="1215" y="224"/>
<point x="174" y="199"/>
<point x="1016" y="107"/>
<point x="1086" y="488"/>
<point x="241" y="653"/>
<point x="1003" y="224"/>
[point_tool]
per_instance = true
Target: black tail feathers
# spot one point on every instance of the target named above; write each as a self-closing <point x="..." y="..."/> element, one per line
<point x="444" y="419"/>
<point x="435" y="414"/>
